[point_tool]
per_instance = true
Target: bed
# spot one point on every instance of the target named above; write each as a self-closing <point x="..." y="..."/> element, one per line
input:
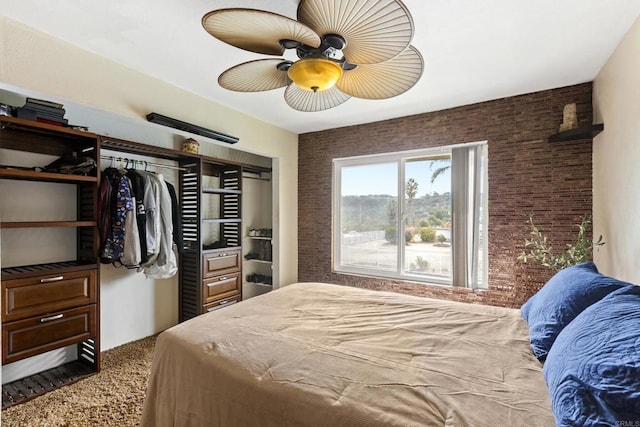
<point x="315" y="354"/>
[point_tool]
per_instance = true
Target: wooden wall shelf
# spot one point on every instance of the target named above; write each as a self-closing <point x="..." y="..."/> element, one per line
<point x="53" y="224"/>
<point x="582" y="132"/>
<point x="29" y="175"/>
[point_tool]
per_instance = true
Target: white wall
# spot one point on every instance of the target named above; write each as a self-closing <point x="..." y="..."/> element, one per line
<point x="616" y="160"/>
<point x="114" y="100"/>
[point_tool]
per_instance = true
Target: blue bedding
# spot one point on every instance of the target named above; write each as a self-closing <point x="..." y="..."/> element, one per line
<point x="593" y="367"/>
<point x="562" y="298"/>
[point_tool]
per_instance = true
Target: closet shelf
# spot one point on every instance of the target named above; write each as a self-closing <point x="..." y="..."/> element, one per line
<point x="266" y="285"/>
<point x="36" y="224"/>
<point x="262" y="261"/>
<point x="20" y="272"/>
<point x="45" y="176"/>
<point x="221" y="220"/>
<point x="213" y="190"/>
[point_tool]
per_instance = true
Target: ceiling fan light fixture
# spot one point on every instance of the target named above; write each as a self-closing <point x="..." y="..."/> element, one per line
<point x="315" y="74"/>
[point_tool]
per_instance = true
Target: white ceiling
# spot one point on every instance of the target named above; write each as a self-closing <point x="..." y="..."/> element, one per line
<point x="474" y="50"/>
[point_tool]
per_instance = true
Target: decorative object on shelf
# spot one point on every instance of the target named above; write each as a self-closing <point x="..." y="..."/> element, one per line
<point x="538" y="249"/>
<point x="188" y="127"/>
<point x="190" y="145"/>
<point x="345" y="48"/>
<point x="569" y="117"/>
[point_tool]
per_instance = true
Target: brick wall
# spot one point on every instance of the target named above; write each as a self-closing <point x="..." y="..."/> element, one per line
<point x="526" y="174"/>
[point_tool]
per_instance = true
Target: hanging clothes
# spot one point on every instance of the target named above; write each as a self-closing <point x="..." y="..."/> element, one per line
<point x="137" y="186"/>
<point x="139" y="222"/>
<point x="162" y="263"/>
<point x="121" y="202"/>
<point x="152" y="214"/>
<point x="131" y="255"/>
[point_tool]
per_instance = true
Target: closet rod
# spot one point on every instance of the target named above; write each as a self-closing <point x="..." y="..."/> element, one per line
<point x="143" y="162"/>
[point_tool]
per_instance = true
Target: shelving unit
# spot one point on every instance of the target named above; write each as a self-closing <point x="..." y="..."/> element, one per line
<point x="259" y="264"/>
<point x="211" y="267"/>
<point x="259" y="260"/>
<point x="210" y="198"/>
<point x="47" y="306"/>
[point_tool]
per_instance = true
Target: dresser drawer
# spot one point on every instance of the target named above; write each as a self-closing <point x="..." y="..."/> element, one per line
<point x="28" y="337"/>
<point x="33" y="296"/>
<point x="220" y="262"/>
<point x="222" y="303"/>
<point x="221" y="287"/>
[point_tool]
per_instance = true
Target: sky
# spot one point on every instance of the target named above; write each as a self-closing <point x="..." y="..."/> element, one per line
<point x="382" y="179"/>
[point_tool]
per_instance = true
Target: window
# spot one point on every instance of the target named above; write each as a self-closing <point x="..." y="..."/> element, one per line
<point x="415" y="215"/>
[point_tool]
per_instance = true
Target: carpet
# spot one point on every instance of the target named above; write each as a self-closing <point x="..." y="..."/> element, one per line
<point x="112" y="397"/>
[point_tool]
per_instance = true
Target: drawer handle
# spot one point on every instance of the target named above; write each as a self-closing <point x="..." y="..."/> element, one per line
<point x="219" y="280"/>
<point x="224" y="254"/>
<point x="223" y="278"/>
<point x="52" y="279"/>
<point x="49" y="319"/>
<point x="224" y="302"/>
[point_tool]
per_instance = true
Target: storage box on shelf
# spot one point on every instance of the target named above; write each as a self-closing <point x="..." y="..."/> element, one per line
<point x="46" y="306"/>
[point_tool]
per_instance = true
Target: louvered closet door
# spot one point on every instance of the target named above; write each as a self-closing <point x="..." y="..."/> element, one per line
<point x="190" y="271"/>
<point x="231" y="181"/>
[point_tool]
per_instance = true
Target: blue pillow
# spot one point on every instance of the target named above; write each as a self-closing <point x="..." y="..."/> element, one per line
<point x="561" y="299"/>
<point x="593" y="368"/>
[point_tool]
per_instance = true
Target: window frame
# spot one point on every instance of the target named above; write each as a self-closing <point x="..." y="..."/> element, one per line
<point x="401" y="158"/>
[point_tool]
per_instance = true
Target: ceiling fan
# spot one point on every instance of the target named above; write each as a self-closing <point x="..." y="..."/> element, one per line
<point x="345" y="48"/>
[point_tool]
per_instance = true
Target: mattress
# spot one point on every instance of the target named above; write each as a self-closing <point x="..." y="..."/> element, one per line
<point x="314" y="354"/>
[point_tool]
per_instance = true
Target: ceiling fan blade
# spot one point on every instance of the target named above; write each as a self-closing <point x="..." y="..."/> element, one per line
<point x="384" y="80"/>
<point x="375" y="30"/>
<point x="307" y="101"/>
<point x="257" y="30"/>
<point x="254" y="76"/>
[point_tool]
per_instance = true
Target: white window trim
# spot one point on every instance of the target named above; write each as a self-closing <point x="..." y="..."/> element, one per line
<point x="402" y="157"/>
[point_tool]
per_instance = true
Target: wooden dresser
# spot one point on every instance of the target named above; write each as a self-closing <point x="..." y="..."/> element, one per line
<point x="44" y="312"/>
<point x="222" y="278"/>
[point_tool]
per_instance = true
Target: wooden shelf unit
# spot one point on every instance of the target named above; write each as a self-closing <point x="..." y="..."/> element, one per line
<point x="203" y="181"/>
<point x="41" y="309"/>
<point x="210" y="192"/>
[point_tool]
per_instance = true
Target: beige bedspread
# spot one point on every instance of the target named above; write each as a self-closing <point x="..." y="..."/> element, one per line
<point x="314" y="354"/>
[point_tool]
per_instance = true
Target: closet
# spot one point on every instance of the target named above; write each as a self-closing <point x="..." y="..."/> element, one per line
<point x="51" y="304"/>
<point x="210" y="199"/>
